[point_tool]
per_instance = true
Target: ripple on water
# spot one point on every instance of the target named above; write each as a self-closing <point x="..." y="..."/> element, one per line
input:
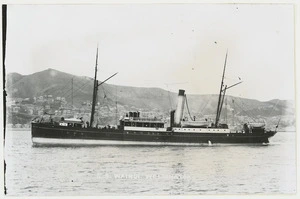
<point x="113" y="170"/>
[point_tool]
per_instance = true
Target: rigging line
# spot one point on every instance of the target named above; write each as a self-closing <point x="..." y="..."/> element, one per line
<point x="66" y="83"/>
<point x="78" y="89"/>
<point x="273" y="108"/>
<point x="10" y="86"/>
<point x="234" y="114"/>
<point x="110" y="94"/>
<point x="98" y="85"/>
<point x="107" y="91"/>
<point x="250" y="112"/>
<point x="65" y="94"/>
<point x="61" y="93"/>
<point x="245" y="112"/>
<point x="238" y="121"/>
<point x="80" y="82"/>
<point x="170" y="100"/>
<point x="278" y="123"/>
<point x="204" y="106"/>
<point x="242" y="110"/>
<point x="187" y="107"/>
<point x="104" y="97"/>
<point x="141" y="101"/>
<point x="226" y="109"/>
<point x="61" y="89"/>
<point x="117" y="114"/>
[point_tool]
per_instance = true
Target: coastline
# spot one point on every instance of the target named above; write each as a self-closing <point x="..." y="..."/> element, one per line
<point x="18" y="129"/>
<point x="28" y="129"/>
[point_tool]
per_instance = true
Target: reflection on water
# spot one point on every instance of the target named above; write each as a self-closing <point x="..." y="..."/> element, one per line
<point x="115" y="170"/>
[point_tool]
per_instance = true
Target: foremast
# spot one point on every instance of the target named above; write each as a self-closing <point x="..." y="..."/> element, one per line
<point x="95" y="91"/>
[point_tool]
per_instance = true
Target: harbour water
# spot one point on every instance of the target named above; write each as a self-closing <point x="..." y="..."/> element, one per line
<point x="128" y="170"/>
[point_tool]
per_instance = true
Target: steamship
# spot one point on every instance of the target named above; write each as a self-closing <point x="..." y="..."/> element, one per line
<point x="136" y="130"/>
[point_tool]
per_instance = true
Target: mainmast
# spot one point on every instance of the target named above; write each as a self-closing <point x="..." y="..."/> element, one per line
<point x="94" y="91"/>
<point x="221" y="98"/>
<point x="222" y="94"/>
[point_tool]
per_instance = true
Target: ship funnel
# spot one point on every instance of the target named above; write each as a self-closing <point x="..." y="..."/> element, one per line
<point x="179" y="109"/>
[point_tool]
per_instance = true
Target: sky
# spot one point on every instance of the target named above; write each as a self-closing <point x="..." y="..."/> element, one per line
<point x="178" y="46"/>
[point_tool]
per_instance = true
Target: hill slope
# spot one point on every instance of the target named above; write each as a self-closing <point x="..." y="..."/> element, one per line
<point x="56" y="83"/>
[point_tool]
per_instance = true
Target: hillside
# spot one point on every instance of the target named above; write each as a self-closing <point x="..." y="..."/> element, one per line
<point x="59" y="84"/>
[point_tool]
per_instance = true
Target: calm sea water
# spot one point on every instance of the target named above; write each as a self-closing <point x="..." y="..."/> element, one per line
<point x="119" y="170"/>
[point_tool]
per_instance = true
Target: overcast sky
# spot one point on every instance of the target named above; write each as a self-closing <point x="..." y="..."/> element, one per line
<point x="167" y="46"/>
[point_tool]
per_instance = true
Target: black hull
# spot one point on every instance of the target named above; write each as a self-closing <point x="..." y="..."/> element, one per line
<point x="54" y="135"/>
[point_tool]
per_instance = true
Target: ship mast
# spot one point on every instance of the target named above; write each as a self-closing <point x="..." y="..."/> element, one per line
<point x="72" y="92"/>
<point x="222" y="94"/>
<point x="94" y="91"/>
<point x="221" y="98"/>
<point x="96" y="85"/>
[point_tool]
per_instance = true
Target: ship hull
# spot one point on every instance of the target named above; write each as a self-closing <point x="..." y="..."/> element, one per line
<point x="43" y="135"/>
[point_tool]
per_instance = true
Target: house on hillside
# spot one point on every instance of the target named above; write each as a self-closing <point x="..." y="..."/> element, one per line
<point x="16" y="109"/>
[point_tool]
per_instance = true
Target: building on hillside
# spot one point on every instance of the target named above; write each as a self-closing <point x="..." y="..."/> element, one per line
<point x="16" y="109"/>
